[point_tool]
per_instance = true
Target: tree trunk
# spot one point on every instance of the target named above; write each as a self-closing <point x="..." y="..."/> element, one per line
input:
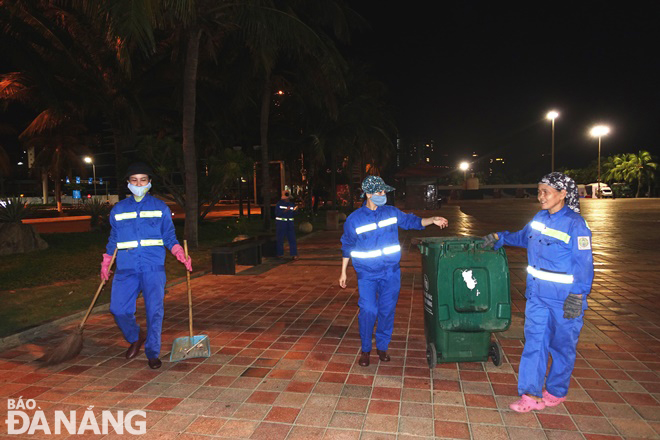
<point x="44" y="186"/>
<point x="265" y="172"/>
<point x="189" y="152"/>
<point x="639" y="184"/>
<point x="58" y="193"/>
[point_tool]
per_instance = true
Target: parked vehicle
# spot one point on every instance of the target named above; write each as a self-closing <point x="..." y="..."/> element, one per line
<point x="592" y="190"/>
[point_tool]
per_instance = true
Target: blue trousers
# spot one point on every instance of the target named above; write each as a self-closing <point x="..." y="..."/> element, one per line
<point x="377" y="301"/>
<point x="126" y="286"/>
<point x="285" y="230"/>
<point x="548" y="333"/>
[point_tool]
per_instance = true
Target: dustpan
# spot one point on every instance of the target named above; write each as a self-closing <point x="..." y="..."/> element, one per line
<point x="192" y="346"/>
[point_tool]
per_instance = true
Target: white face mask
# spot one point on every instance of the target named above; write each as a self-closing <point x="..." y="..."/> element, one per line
<point x="139" y="191"/>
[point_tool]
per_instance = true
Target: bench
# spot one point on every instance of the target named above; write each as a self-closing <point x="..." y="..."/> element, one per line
<point x="248" y="252"/>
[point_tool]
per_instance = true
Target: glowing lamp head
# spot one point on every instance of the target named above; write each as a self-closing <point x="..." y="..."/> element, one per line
<point x="552" y="115"/>
<point x="87" y="159"/>
<point x="600" y="130"/>
<point x="464" y="166"/>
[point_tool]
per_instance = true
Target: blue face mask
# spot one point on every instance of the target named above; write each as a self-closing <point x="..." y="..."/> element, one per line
<point x="379" y="200"/>
<point x="139" y="191"/>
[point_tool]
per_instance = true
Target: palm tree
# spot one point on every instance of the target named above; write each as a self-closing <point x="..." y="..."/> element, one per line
<point x="298" y="36"/>
<point x="61" y="150"/>
<point x="631" y="167"/>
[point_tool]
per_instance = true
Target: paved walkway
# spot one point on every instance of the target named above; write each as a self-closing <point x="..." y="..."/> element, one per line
<point x="285" y="345"/>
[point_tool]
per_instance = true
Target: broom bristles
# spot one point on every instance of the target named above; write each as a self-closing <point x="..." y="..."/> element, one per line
<point x="69" y="348"/>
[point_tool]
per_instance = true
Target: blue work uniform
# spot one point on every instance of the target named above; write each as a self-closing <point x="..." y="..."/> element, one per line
<point x="371" y="240"/>
<point x="285" y="210"/>
<point x="560" y="262"/>
<point x="140" y="231"/>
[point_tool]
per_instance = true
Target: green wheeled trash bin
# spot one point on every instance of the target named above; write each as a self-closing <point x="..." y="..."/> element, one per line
<point x="466" y="298"/>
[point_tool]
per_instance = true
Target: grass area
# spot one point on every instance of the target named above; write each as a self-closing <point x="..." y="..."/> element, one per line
<point x="42" y="286"/>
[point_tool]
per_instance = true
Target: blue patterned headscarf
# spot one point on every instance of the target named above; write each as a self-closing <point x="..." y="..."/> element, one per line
<point x="561" y="181"/>
<point x="374" y="184"/>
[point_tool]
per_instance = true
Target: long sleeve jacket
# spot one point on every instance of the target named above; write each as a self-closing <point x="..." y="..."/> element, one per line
<point x="285" y="210"/>
<point x="371" y="239"/>
<point x="141" y="231"/>
<point x="559" y="255"/>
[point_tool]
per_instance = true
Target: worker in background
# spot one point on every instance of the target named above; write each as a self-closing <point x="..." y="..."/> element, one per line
<point x="371" y="240"/>
<point x="142" y="229"/>
<point x="559" y="275"/>
<point x="284" y="227"/>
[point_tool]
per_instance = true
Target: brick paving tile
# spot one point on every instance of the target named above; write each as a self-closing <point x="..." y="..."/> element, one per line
<point x="487" y="432"/>
<point x="452" y="429"/>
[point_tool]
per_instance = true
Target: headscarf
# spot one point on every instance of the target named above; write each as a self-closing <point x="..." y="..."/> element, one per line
<point x="561" y="181"/>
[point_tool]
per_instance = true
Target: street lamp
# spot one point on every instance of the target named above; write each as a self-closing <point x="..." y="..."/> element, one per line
<point x="88" y="159"/>
<point x="464" y="166"/>
<point x="552" y="115"/>
<point x="599" y="131"/>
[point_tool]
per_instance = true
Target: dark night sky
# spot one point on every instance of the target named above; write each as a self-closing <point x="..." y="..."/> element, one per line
<point x="482" y="77"/>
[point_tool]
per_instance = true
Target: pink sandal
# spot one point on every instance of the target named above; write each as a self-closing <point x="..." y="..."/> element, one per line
<point x="527" y="404"/>
<point x="551" y="400"/>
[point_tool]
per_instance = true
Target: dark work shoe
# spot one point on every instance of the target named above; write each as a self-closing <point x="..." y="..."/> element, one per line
<point x="364" y="359"/>
<point x="383" y="356"/>
<point x="155" y="363"/>
<point x="134" y="349"/>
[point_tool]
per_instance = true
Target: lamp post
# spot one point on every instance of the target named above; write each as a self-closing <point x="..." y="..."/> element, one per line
<point x="464" y="166"/>
<point x="552" y="115"/>
<point x="90" y="160"/>
<point x="599" y="131"/>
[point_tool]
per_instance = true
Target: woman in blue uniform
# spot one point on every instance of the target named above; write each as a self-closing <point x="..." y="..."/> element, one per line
<point x="559" y="275"/>
<point x="371" y="240"/>
<point x="141" y="230"/>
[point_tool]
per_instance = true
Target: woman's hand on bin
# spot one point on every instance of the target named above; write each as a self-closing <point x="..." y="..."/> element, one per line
<point x="490" y="240"/>
<point x="440" y="222"/>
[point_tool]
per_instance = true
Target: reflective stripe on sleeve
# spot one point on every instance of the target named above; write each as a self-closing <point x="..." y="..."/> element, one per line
<point x="125" y="216"/>
<point x="283" y="219"/>
<point x="151" y="214"/>
<point x="561" y="278"/>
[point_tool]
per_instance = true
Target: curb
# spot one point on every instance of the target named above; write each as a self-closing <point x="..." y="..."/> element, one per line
<point x="50" y="327"/>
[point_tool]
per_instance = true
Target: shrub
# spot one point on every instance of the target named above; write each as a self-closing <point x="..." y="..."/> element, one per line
<point x="99" y="212"/>
<point x="13" y="210"/>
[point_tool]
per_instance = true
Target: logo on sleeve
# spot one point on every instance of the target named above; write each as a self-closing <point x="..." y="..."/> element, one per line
<point x="584" y="243"/>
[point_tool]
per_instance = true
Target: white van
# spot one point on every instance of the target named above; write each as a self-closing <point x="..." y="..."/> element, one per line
<point x="605" y="190"/>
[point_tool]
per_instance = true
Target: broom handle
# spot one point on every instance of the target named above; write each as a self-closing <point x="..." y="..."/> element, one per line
<point x="190" y="318"/>
<point x="98" y="292"/>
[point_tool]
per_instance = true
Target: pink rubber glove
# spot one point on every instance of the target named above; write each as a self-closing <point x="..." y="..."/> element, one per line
<point x="105" y="267"/>
<point x="180" y="255"/>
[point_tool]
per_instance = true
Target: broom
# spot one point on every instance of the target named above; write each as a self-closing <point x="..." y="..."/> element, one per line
<point x="71" y="346"/>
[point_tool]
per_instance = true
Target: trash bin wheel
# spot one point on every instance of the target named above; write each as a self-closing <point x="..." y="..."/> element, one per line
<point x="494" y="353"/>
<point x="431" y="356"/>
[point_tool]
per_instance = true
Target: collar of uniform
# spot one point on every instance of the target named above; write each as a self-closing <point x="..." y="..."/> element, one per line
<point x="132" y="198"/>
<point x="559" y="213"/>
